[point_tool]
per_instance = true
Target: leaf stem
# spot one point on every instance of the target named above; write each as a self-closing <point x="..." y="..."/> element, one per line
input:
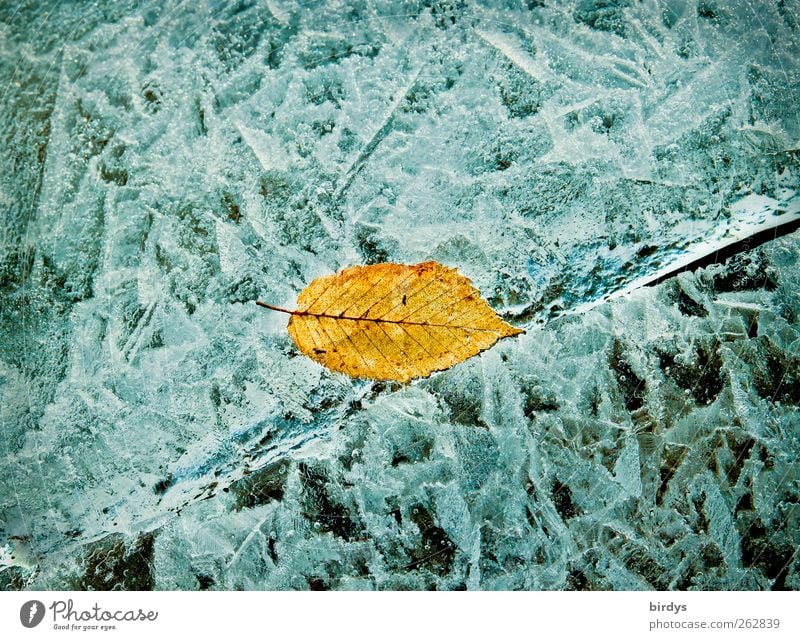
<point x="269" y="306"/>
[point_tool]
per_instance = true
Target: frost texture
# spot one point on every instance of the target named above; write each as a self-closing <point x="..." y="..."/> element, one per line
<point x="165" y="164"/>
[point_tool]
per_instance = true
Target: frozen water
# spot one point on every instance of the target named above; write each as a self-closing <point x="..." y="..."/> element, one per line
<point x="165" y="164"/>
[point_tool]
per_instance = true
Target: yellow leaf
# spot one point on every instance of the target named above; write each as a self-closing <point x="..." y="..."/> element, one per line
<point x="393" y="321"/>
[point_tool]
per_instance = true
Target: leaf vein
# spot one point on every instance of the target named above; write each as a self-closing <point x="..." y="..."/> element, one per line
<point x="366" y="291"/>
<point x="397" y="286"/>
<point x="416" y="293"/>
<point x="427" y="304"/>
<point x="422" y="346"/>
<point x="344" y="290"/>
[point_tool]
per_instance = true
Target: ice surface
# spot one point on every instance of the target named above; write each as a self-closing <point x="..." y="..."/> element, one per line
<point x="165" y="164"/>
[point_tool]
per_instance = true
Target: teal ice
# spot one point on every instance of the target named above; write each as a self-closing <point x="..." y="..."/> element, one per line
<point x="165" y="164"/>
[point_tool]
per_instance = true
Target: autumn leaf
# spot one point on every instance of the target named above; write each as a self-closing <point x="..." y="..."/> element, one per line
<point x="393" y="321"/>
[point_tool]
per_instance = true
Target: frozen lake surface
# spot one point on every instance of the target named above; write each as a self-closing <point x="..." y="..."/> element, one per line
<point x="165" y="164"/>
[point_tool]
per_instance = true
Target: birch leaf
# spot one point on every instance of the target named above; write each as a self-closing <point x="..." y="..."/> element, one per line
<point x="393" y="321"/>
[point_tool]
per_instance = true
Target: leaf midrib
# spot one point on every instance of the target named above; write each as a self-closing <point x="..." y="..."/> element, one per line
<point x="381" y="320"/>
